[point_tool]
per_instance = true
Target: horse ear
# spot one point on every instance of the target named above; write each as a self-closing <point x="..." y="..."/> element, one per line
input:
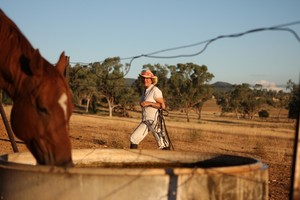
<point x="35" y="64"/>
<point x="62" y="63"/>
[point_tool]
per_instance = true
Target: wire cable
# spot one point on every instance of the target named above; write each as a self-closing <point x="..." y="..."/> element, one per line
<point x="206" y="43"/>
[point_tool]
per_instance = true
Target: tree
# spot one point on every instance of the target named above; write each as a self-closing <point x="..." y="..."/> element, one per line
<point x="82" y="84"/>
<point x="237" y="96"/>
<point x="127" y="98"/>
<point x="223" y="100"/>
<point x="110" y="81"/>
<point x="281" y="101"/>
<point x="294" y="102"/>
<point x="245" y="101"/>
<point x="190" y="88"/>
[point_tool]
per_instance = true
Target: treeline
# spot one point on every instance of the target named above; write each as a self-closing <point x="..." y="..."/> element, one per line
<point x="186" y="87"/>
<point x="246" y="101"/>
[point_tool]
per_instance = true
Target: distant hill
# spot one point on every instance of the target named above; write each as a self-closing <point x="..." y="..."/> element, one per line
<point x="218" y="86"/>
<point x="222" y="86"/>
<point x="129" y="81"/>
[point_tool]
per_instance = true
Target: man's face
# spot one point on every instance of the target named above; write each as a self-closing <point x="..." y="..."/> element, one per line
<point x="146" y="81"/>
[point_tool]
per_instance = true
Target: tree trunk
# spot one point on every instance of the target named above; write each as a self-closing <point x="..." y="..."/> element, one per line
<point x="278" y="115"/>
<point x="87" y="105"/>
<point x="125" y="113"/>
<point x="199" y="110"/>
<point x="110" y="111"/>
<point x="79" y="101"/>
<point x="110" y="107"/>
<point x="236" y="114"/>
<point x="187" y="113"/>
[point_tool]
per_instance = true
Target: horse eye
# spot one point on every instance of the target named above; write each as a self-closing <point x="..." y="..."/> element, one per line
<point x="42" y="110"/>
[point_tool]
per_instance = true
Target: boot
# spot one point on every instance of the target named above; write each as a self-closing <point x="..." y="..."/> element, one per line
<point x="166" y="148"/>
<point x="133" y="146"/>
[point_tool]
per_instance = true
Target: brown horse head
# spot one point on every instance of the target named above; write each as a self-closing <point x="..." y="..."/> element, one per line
<point x="42" y="98"/>
<point x="42" y="109"/>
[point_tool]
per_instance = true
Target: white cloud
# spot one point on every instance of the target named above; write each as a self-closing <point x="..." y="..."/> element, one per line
<point x="268" y="85"/>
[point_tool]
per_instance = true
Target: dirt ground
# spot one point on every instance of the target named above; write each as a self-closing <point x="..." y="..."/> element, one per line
<point x="86" y="131"/>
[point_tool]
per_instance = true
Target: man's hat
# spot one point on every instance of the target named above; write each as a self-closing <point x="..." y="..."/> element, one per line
<point x="149" y="74"/>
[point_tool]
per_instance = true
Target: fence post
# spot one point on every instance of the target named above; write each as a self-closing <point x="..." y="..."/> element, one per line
<point x="8" y="129"/>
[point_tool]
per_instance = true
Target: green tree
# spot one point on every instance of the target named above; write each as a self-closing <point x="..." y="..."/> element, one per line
<point x="223" y="100"/>
<point x="281" y="101"/>
<point x="110" y="81"/>
<point x="189" y="87"/>
<point x="127" y="98"/>
<point x="245" y="101"/>
<point x="82" y="83"/>
<point x="294" y="101"/>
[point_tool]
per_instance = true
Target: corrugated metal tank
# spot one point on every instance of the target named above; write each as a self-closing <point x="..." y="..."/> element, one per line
<point x="115" y="174"/>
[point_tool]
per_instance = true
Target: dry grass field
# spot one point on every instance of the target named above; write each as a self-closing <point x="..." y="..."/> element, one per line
<point x="270" y="141"/>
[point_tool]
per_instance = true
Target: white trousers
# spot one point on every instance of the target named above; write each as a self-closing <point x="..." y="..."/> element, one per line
<point x="142" y="130"/>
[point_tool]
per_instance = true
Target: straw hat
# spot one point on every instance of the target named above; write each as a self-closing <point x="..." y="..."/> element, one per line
<point x="149" y="74"/>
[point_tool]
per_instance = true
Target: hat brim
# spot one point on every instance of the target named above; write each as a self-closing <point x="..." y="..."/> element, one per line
<point x="154" y="78"/>
<point x="145" y="76"/>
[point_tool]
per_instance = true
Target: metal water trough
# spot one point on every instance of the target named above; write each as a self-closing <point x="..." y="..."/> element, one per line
<point x="115" y="174"/>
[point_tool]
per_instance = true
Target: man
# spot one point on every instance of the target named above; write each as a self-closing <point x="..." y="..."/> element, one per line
<point x="152" y="100"/>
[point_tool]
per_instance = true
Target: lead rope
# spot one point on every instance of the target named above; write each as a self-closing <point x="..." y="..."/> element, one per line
<point x="159" y="130"/>
<point x="162" y="122"/>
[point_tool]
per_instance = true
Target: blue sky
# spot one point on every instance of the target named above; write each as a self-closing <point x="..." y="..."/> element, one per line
<point x="92" y="30"/>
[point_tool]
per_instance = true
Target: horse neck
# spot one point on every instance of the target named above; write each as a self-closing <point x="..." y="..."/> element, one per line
<point x="14" y="67"/>
<point x="13" y="81"/>
<point x="15" y="51"/>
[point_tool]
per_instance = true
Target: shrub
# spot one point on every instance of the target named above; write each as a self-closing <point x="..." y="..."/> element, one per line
<point x="263" y="114"/>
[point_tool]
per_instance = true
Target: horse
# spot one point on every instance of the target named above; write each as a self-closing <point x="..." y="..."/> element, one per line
<point x="42" y="102"/>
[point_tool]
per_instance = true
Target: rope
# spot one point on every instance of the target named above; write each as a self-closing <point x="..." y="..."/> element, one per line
<point x="161" y="119"/>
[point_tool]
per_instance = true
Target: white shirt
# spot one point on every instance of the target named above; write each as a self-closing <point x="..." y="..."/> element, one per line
<point x="151" y="93"/>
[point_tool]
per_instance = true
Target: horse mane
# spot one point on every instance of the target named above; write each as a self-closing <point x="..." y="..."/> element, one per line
<point x="18" y="58"/>
<point x="9" y="30"/>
